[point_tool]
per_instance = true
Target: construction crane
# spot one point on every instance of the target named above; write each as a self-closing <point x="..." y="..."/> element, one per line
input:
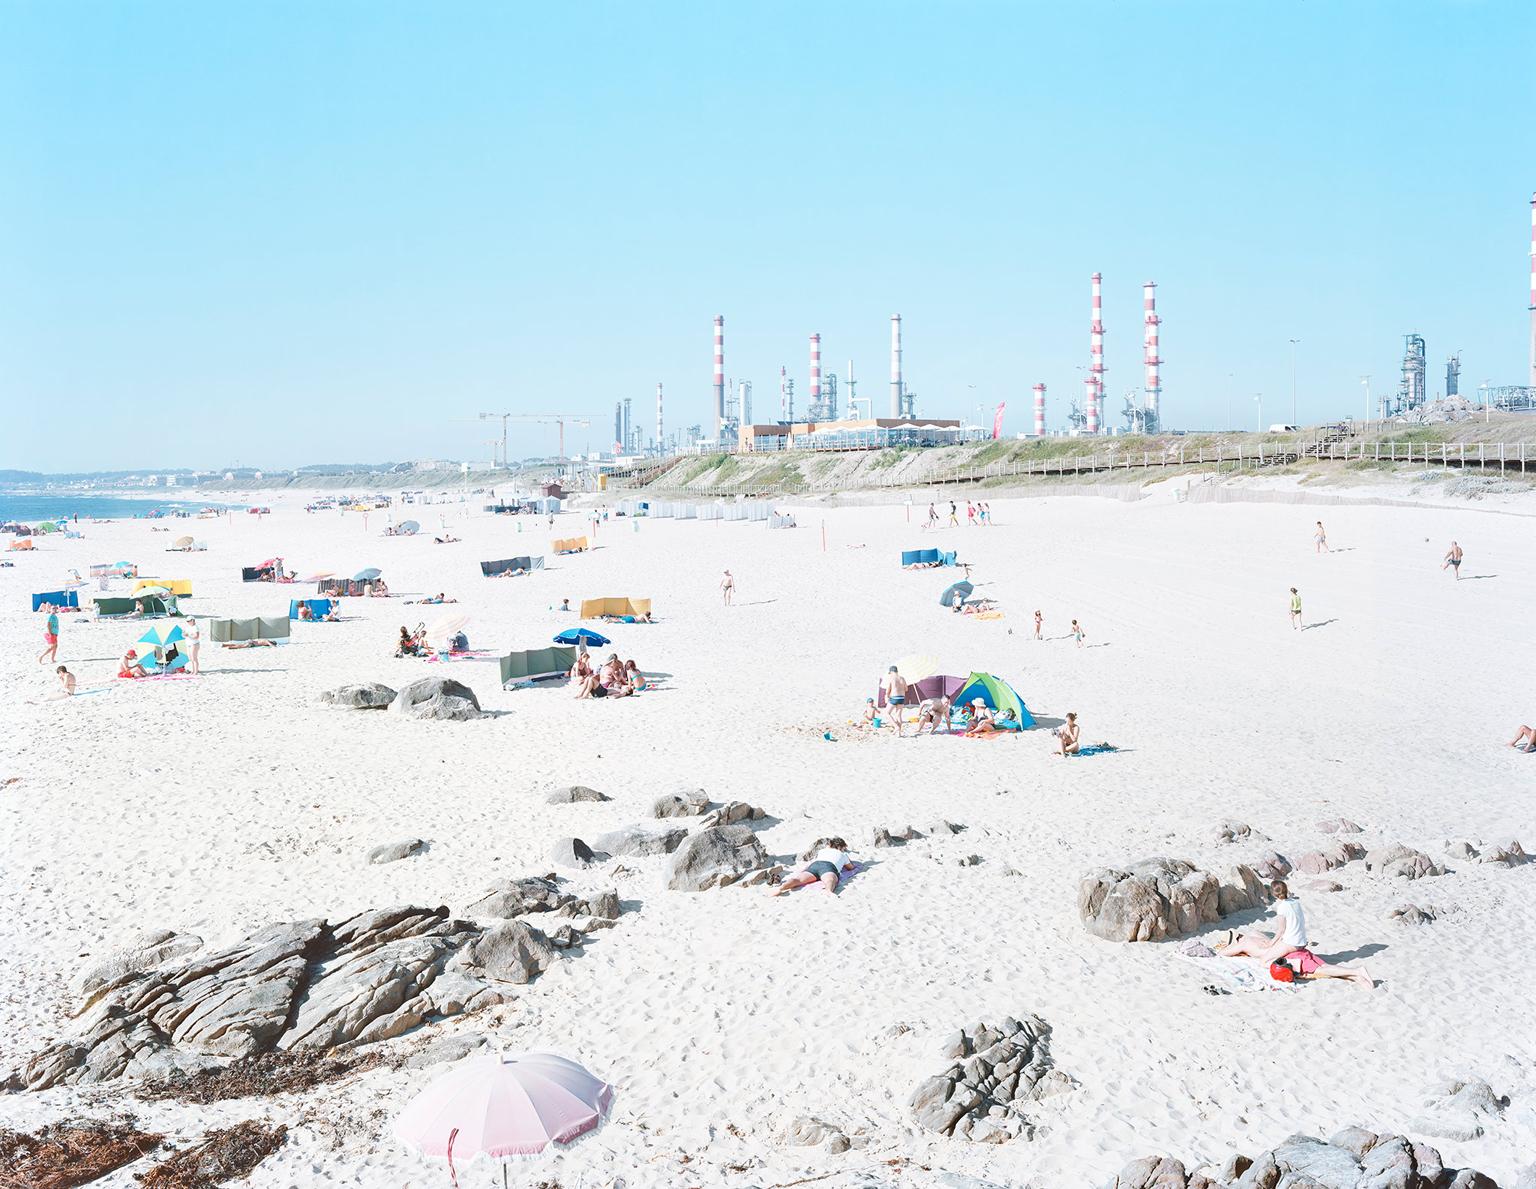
<point x="576" y="419"/>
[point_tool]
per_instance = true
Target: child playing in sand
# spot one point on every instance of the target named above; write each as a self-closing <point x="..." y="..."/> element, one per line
<point x="1289" y="944"/>
<point x="826" y="868"/>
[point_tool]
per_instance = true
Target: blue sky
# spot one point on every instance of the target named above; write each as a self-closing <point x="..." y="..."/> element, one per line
<point x="288" y="233"/>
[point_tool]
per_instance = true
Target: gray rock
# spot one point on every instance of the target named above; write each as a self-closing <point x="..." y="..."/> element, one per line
<point x="1151" y="900"/>
<point x="715" y="857"/>
<point x="447" y="1048"/>
<point x="684" y="803"/>
<point x="1004" y="1068"/>
<point x="392" y="852"/>
<point x="147" y="951"/>
<point x="573" y="793"/>
<point x="732" y="813"/>
<point x="1508" y="853"/>
<point x="513" y="952"/>
<point x="366" y="695"/>
<point x="438" y="698"/>
<point x="573" y="852"/>
<point x="639" y="842"/>
<point x="1339" y="825"/>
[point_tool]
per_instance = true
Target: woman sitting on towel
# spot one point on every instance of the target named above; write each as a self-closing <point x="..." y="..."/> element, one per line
<point x="826" y="868"/>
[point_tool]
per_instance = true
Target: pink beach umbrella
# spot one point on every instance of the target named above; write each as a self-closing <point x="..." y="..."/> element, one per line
<point x="503" y="1106"/>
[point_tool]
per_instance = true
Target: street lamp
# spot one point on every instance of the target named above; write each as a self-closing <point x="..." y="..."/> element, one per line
<point x="1293" y="382"/>
<point x="1258" y="399"/>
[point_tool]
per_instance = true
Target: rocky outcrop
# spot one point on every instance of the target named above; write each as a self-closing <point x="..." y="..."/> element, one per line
<point x="439" y="698"/>
<point x="1401" y="862"/>
<point x="716" y="857"/>
<point x="571" y="794"/>
<point x="1159" y="898"/>
<point x="393" y="852"/>
<point x="996" y="1073"/>
<point x="683" y="803"/>
<point x="364" y="695"/>
<point x="305" y="985"/>
<point x="639" y="841"/>
<point x="1353" y="1159"/>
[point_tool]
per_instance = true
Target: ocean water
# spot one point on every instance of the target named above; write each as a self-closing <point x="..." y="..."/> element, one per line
<point x="30" y="507"/>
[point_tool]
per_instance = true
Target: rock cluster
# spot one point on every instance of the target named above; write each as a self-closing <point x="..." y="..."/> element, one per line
<point x="1353" y="1159"/>
<point x="365" y="695"/>
<point x="1162" y="897"/>
<point x="719" y="856"/>
<point x="439" y="698"/>
<point x="1399" y="861"/>
<point x="996" y="1072"/>
<point x="151" y="1010"/>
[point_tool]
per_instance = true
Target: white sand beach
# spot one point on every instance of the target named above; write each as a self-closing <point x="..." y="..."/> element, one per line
<point x="218" y="805"/>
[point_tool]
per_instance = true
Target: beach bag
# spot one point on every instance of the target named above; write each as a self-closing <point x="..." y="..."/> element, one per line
<point x="1282" y="971"/>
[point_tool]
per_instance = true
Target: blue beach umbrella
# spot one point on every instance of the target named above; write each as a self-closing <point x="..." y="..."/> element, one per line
<point x="582" y="636"/>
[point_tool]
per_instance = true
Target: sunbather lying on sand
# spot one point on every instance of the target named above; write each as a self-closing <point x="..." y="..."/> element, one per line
<point x="1289" y="944"/>
<point x="826" y="869"/>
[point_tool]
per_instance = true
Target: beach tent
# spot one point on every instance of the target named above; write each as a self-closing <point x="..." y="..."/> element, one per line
<point x="960" y="590"/>
<point x="319" y="608"/>
<point x="56" y="598"/>
<point x="997" y="694"/>
<point x="180" y="587"/>
<point x="507" y="564"/>
<point x="926" y="557"/>
<point x="536" y="664"/>
<point x="569" y="545"/>
<point x="156" y="657"/>
<point x="123" y="605"/>
<point x="583" y="637"/>
<point x="597" y="608"/>
<point x="234" y="631"/>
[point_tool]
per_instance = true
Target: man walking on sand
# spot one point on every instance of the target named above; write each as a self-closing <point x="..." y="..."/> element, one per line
<point x="1295" y="610"/>
<point x="1289" y="945"/>
<point x="895" y="687"/>
<point x="1453" y="559"/>
<point x="727" y="587"/>
<point x="50" y="653"/>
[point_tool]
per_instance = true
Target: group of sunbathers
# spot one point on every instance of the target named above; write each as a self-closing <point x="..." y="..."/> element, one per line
<point x="613" y="679"/>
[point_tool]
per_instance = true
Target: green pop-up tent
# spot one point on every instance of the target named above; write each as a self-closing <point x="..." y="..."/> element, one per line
<point x="996" y="693"/>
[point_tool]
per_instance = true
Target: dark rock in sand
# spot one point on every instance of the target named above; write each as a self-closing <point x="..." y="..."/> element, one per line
<point x="366" y="695"/>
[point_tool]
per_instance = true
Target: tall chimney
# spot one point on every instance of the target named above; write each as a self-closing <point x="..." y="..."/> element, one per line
<point x="660" y="437"/>
<point x="1533" y="291"/>
<point x="896" y="387"/>
<point x="719" y="376"/>
<point x="1091" y="405"/>
<point x="1096" y="346"/>
<point x="1149" y="340"/>
<point x="1039" y="410"/>
<point x="815" y="375"/>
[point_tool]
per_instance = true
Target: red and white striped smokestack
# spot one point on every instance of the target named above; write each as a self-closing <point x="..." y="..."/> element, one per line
<point x="815" y="375"/>
<point x="1091" y="404"/>
<point x="1533" y="291"/>
<point x="896" y="390"/>
<point x="1096" y="344"/>
<point x="1149" y="342"/>
<point x="1039" y="410"/>
<point x="660" y="437"/>
<point x="719" y="375"/>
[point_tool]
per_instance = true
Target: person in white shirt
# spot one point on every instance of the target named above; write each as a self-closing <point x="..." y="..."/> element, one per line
<point x="826" y="868"/>
<point x="1289" y="944"/>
